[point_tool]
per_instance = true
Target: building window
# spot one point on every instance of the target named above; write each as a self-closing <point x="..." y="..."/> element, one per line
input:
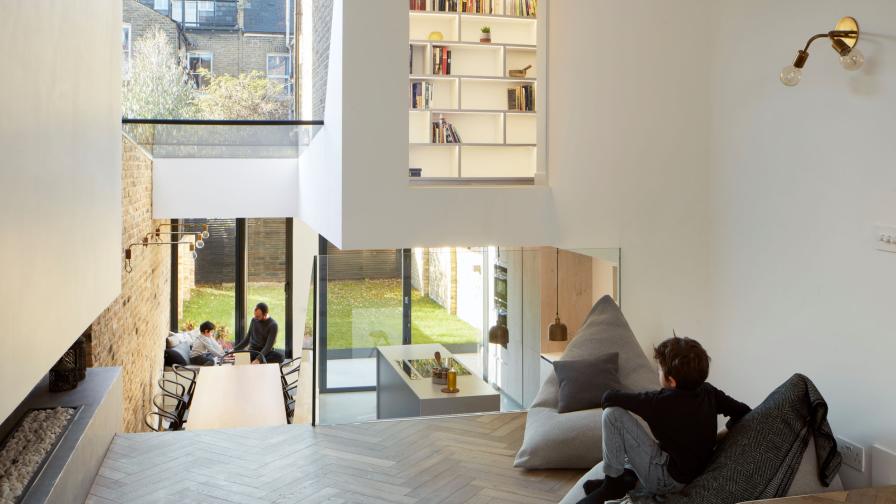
<point x="279" y="71"/>
<point x="197" y="62"/>
<point x="126" y="50"/>
<point x="160" y="5"/>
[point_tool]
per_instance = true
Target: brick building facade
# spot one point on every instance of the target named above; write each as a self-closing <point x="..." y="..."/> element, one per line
<point x="225" y="36"/>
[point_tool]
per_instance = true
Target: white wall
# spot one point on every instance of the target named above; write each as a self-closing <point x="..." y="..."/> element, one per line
<point x="320" y="164"/>
<point x="743" y="208"/>
<point x="799" y="178"/>
<point x="60" y="174"/>
<point x="741" y="219"/>
<point x="183" y="188"/>
<point x="628" y="154"/>
<point x="384" y="211"/>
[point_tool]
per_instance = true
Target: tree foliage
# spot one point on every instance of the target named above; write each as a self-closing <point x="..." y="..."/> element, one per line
<point x="247" y="96"/>
<point x="159" y="86"/>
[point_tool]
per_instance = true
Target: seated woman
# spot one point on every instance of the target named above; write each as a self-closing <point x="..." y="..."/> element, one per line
<point x="206" y="348"/>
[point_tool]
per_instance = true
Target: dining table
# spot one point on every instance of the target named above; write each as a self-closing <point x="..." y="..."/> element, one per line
<point x="232" y="396"/>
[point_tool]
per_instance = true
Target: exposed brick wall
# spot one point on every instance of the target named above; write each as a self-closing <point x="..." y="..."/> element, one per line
<point x="131" y="332"/>
<point x="186" y="272"/>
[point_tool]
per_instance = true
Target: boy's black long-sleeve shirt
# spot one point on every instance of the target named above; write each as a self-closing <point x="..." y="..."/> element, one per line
<point x="685" y="422"/>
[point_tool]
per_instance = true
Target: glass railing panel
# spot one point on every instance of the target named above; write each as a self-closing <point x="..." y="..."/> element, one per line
<point x="175" y="138"/>
<point x="381" y="315"/>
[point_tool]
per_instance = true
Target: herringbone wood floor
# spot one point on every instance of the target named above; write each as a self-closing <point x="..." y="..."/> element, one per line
<point x="445" y="460"/>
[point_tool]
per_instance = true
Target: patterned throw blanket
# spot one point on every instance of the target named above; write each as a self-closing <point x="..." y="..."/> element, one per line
<point x="760" y="456"/>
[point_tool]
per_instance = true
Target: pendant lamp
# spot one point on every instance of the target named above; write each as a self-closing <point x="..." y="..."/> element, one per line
<point x="557" y="331"/>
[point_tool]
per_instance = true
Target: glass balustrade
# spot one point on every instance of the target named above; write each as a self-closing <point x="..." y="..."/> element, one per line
<point x="379" y="316"/>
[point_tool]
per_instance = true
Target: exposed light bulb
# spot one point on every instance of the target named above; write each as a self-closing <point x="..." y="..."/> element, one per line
<point x="852" y="61"/>
<point x="200" y="244"/>
<point x="205" y="234"/>
<point x="791" y="75"/>
<point x="195" y="255"/>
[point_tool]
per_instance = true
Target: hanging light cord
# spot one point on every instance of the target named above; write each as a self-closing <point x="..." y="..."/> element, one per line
<point x="557" y="287"/>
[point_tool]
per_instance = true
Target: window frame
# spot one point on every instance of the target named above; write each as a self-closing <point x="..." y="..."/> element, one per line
<point x="195" y="75"/>
<point x="287" y="78"/>
<point x="126" y="52"/>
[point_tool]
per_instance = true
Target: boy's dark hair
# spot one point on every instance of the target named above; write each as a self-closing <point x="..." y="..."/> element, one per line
<point x="263" y="307"/>
<point x="683" y="359"/>
<point x="206" y="326"/>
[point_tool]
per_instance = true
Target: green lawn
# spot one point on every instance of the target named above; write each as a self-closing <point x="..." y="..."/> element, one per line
<point x="215" y="303"/>
<point x="361" y="313"/>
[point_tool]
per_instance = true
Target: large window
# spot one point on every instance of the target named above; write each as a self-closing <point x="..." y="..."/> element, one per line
<point x="278" y="68"/>
<point x="200" y="65"/>
<point x="126" y="50"/>
<point x="244" y="262"/>
<point x="160" y="5"/>
<point x="204" y="13"/>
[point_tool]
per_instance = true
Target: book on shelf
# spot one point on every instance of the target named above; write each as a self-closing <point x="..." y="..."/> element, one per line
<point x="522" y="8"/>
<point x="521" y="98"/>
<point x="434" y="5"/>
<point x="477" y="6"/>
<point x="444" y="132"/>
<point x="441" y="60"/>
<point x="421" y="95"/>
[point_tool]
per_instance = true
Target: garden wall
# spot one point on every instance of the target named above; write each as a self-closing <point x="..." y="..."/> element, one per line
<point x="267" y="251"/>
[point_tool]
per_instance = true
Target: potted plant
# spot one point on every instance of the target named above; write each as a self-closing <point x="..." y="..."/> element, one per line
<point x="486" y="36"/>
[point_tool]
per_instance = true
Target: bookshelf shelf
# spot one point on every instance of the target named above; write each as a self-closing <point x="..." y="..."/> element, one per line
<point x="483" y="45"/>
<point x="529" y="19"/>
<point x="472" y="111"/>
<point x="475" y="100"/>
<point x="470" y="77"/>
<point x="471" y="144"/>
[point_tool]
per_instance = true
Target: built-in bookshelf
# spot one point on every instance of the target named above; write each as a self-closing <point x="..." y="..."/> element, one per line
<point x="467" y="116"/>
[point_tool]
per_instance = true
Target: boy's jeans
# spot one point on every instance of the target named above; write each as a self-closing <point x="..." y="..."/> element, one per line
<point x="628" y="444"/>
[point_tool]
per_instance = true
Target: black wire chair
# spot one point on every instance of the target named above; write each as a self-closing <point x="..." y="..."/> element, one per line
<point x="175" y="418"/>
<point x="172" y="388"/>
<point x="187" y="374"/>
<point x="158" y="425"/>
<point x="256" y="354"/>
<point x="289" y="379"/>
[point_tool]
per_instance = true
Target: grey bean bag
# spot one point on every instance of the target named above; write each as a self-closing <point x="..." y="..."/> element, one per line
<point x="804" y="483"/>
<point x="573" y="440"/>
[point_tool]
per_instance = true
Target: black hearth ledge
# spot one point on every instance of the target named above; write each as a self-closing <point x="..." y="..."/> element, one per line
<point x="69" y="473"/>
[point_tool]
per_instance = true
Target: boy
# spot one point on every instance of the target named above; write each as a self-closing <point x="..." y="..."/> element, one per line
<point x="206" y="348"/>
<point x="682" y="417"/>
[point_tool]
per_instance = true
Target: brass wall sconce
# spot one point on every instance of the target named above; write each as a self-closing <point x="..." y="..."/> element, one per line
<point x="200" y="230"/>
<point x="129" y="253"/>
<point x="843" y="37"/>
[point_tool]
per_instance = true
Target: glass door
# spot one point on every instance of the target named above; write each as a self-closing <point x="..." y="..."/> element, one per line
<point x="268" y="274"/>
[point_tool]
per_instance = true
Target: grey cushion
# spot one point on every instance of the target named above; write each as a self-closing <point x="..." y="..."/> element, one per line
<point x="555" y="440"/>
<point x="583" y="382"/>
<point x="179" y="354"/>
<point x="805" y="483"/>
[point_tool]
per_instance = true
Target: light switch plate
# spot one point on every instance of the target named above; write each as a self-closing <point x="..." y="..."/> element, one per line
<point x="853" y="454"/>
<point x="885" y="238"/>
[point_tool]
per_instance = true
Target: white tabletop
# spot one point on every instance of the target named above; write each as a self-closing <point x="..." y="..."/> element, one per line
<point x="237" y="396"/>
<point x="470" y="385"/>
